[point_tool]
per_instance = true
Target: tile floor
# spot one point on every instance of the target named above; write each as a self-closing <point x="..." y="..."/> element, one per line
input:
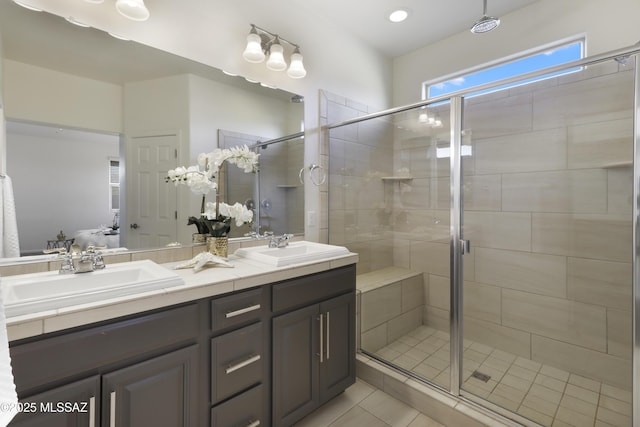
<point x="547" y="395"/>
<point x="364" y="405"/>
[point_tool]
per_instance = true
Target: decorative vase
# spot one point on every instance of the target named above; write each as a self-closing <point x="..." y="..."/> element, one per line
<point x="199" y="237"/>
<point x="218" y="246"/>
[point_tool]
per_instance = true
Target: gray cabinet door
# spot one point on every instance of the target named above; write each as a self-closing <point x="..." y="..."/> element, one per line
<point x="160" y="392"/>
<point x="72" y="405"/>
<point x="295" y="365"/>
<point x="337" y="367"/>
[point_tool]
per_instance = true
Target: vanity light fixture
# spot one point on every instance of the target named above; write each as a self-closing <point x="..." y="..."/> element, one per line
<point x="262" y="43"/>
<point x="133" y="9"/>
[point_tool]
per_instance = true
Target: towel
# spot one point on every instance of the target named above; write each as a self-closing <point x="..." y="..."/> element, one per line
<point x="8" y="396"/>
<point x="9" y="245"/>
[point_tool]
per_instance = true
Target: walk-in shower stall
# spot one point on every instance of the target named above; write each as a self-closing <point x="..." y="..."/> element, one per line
<point x="497" y="239"/>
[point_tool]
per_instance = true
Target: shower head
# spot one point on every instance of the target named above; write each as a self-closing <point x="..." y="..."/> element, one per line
<point x="486" y="23"/>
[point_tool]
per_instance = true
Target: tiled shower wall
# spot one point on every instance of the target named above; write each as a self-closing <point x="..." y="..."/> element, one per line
<point x="547" y="196"/>
<point x="357" y="157"/>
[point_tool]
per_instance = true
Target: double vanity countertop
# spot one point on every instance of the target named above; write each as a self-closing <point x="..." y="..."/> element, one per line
<point x="209" y="282"/>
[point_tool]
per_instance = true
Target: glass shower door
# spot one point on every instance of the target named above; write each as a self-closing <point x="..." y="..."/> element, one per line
<point x="389" y="200"/>
<point x="547" y="193"/>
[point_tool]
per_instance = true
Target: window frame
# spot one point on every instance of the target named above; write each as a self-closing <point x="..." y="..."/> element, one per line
<point x="505" y="61"/>
<point x="112" y="184"/>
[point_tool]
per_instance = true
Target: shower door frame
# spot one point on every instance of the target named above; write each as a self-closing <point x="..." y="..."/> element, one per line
<point x="458" y="246"/>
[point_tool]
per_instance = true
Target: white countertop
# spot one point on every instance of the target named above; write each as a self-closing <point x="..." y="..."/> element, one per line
<point x="210" y="281"/>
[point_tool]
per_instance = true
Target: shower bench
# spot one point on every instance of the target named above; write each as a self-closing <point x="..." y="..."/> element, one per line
<point x="391" y="304"/>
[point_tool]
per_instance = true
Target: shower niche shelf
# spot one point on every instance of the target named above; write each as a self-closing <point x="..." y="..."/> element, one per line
<point x="618" y="165"/>
<point x="287" y="186"/>
<point x="396" y="178"/>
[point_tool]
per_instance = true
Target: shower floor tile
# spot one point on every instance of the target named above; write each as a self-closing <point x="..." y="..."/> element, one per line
<point x="545" y="394"/>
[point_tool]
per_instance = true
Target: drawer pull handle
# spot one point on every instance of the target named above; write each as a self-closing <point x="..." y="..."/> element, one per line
<point x="92" y="411"/>
<point x="242" y="364"/>
<point x="242" y="311"/>
<point x="255" y="423"/>
<point x="112" y="410"/>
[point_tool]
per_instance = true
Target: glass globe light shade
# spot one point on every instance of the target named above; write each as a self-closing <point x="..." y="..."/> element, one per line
<point x="133" y="9"/>
<point x="253" y="52"/>
<point x="296" y="68"/>
<point x="276" y="60"/>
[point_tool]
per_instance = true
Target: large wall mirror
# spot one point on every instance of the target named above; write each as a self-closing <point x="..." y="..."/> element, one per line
<point x="81" y="104"/>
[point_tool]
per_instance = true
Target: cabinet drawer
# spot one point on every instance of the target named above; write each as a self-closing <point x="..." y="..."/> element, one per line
<point x="243" y="410"/>
<point x="237" y="361"/>
<point x="237" y="309"/>
<point x="53" y="359"/>
<point x="313" y="288"/>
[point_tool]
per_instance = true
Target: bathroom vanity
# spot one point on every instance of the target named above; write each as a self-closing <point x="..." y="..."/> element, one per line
<point x="246" y="355"/>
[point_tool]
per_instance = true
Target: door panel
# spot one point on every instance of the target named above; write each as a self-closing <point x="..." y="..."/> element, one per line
<point x="158" y="392"/>
<point x="337" y="369"/>
<point x="295" y="364"/>
<point x="151" y="202"/>
<point x="72" y="405"/>
<point x="548" y="209"/>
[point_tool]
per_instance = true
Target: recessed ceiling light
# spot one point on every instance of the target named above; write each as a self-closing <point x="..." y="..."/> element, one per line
<point x="398" y="15"/>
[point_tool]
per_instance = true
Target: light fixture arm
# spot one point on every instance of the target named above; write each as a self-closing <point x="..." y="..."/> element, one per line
<point x="262" y="43"/>
<point x="271" y="38"/>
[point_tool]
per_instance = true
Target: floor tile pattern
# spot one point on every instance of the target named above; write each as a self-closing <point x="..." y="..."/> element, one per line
<point x="549" y="396"/>
<point x="363" y="405"/>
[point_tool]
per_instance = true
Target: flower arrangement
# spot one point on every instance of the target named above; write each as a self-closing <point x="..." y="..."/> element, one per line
<point x="215" y="217"/>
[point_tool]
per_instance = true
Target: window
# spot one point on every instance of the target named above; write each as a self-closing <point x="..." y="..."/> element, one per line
<point x="538" y="60"/>
<point x="114" y="185"/>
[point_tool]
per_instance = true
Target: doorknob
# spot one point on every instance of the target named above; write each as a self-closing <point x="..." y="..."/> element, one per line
<point x="134" y="226"/>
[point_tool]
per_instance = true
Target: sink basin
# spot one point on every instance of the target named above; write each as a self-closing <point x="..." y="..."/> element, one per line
<point x="31" y="293"/>
<point x="294" y="253"/>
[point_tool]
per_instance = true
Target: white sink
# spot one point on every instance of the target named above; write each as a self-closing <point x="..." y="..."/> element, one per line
<point x="32" y="293"/>
<point x="294" y="253"/>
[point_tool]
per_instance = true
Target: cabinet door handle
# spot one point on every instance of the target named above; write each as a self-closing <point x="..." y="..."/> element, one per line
<point x="92" y="411"/>
<point x="242" y="311"/>
<point x="242" y="364"/>
<point x="328" y="338"/>
<point x="112" y="410"/>
<point x="255" y="423"/>
<point x="321" y="319"/>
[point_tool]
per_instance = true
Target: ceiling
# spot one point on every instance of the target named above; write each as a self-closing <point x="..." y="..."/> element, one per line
<point x="428" y="22"/>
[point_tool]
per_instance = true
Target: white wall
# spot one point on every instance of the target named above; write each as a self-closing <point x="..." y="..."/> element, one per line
<point x="42" y="95"/>
<point x="61" y="184"/>
<point x="608" y="25"/>
<point x="216" y="106"/>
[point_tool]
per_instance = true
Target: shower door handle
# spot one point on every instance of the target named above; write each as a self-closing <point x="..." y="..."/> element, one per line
<point x="465" y="246"/>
